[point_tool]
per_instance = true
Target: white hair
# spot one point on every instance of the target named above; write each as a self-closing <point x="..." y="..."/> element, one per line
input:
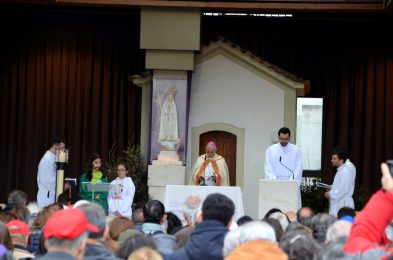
<point x="80" y="202"/>
<point x="256" y="230"/>
<point x="339" y="228"/>
<point x="33" y="207"/>
<point x="191" y="206"/>
<point x="231" y="241"/>
<point x="282" y="218"/>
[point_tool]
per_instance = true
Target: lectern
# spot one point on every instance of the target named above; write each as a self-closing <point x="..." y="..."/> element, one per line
<point x="281" y="194"/>
<point x="95" y="187"/>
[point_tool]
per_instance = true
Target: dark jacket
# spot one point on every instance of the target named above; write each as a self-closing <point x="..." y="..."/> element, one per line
<point x="35" y="241"/>
<point x="97" y="251"/>
<point x="57" y="256"/>
<point x="165" y="243"/>
<point x="206" y="242"/>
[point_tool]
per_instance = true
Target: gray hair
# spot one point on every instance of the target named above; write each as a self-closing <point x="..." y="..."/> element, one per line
<point x="319" y="225"/>
<point x="334" y="249"/>
<point x="339" y="228"/>
<point x="17" y="198"/>
<point x="256" y="230"/>
<point x="54" y="243"/>
<point x="95" y="215"/>
<point x="300" y="246"/>
<point x="136" y="216"/>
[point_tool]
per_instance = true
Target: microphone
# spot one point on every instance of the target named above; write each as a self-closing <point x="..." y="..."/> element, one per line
<point x="293" y="174"/>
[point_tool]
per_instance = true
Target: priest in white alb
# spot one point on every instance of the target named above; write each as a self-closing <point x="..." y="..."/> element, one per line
<point x="210" y="169"/>
<point x="284" y="160"/>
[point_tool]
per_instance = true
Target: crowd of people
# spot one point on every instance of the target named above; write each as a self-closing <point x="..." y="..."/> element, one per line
<point x="102" y="224"/>
<point x="208" y="231"/>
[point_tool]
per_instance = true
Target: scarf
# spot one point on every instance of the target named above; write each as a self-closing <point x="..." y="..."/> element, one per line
<point x="96" y="176"/>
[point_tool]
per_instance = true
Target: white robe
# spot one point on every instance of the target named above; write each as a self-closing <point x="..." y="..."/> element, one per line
<point x="352" y="167"/>
<point x="121" y="196"/>
<point x="46" y="180"/>
<point x="291" y="157"/>
<point x="342" y="189"/>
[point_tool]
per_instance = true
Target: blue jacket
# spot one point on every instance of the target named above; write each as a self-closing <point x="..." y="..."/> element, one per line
<point x="165" y="243"/>
<point x="206" y="242"/>
<point x="35" y="241"/>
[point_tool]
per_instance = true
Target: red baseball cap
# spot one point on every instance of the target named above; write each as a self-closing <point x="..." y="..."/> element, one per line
<point x="68" y="224"/>
<point x="17" y="226"/>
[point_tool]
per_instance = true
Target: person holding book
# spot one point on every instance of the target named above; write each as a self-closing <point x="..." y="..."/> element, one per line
<point x="121" y="194"/>
<point x="95" y="174"/>
<point x="341" y="192"/>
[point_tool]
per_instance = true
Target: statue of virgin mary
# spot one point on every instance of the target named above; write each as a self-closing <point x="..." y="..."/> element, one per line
<point x="168" y="135"/>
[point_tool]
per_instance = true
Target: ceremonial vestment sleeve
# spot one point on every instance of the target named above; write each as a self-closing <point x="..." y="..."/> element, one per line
<point x="46" y="176"/>
<point x="195" y="169"/>
<point x="298" y="172"/>
<point x="224" y="174"/>
<point x="269" y="173"/>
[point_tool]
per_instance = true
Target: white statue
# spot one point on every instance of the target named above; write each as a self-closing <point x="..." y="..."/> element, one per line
<point x="168" y="135"/>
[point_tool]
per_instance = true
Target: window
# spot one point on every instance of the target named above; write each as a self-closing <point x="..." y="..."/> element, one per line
<point x="309" y="131"/>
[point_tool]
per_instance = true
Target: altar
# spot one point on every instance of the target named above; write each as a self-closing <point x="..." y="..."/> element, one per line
<point x="176" y="195"/>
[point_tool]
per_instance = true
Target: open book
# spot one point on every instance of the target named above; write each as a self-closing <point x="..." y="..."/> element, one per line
<point x="323" y="185"/>
<point x="71" y="181"/>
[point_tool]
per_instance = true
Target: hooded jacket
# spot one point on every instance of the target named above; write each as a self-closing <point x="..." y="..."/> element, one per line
<point x="97" y="251"/>
<point x="206" y="242"/>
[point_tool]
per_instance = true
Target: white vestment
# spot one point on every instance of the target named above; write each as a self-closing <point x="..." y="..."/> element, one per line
<point x="121" y="196"/>
<point x="207" y="167"/>
<point x="342" y="189"/>
<point x="46" y="180"/>
<point x="284" y="163"/>
<point x="352" y="167"/>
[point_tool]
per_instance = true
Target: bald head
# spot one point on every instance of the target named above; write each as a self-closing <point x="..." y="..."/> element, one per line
<point x="304" y="214"/>
<point x="211" y="149"/>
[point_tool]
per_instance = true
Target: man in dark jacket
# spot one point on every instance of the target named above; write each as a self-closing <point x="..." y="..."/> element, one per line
<point x="95" y="245"/>
<point x="207" y="240"/>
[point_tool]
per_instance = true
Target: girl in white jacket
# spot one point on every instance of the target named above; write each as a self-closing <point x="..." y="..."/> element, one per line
<point x="121" y="194"/>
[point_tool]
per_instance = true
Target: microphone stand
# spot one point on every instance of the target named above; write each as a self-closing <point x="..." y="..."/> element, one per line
<point x="293" y="174"/>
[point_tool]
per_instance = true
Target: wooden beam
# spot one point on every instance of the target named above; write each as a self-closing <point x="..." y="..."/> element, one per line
<point x="241" y="5"/>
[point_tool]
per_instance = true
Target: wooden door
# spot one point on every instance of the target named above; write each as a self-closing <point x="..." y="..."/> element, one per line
<point x="226" y="147"/>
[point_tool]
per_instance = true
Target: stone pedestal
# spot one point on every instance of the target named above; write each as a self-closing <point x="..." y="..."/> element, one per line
<point x="161" y="175"/>
<point x="280" y="194"/>
<point x="168" y="158"/>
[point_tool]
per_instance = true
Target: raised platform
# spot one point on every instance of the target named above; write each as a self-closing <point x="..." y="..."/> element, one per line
<point x="161" y="175"/>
